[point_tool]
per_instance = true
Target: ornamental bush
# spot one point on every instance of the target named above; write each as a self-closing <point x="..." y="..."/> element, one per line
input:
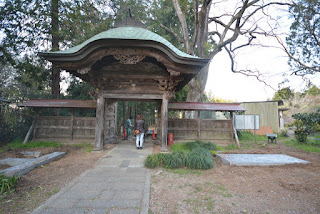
<point x="199" y="158"/>
<point x="305" y="124"/>
<point x="196" y="156"/>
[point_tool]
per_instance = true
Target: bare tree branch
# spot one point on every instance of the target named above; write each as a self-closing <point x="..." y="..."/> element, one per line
<point x="170" y="30"/>
<point x="248" y="73"/>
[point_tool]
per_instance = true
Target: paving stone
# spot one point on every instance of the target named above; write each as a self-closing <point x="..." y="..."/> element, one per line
<point x="107" y="195"/>
<point x="127" y="186"/>
<point x="128" y="195"/>
<point x="102" y="203"/>
<point x="125" y="163"/>
<point x="81" y="194"/>
<point x="99" y="211"/>
<point x="65" y="203"/>
<point x="64" y="211"/>
<point x="124" y="211"/>
<point x="90" y="187"/>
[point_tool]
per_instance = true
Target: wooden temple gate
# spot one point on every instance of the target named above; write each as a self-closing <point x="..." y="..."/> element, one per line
<point x="128" y="63"/>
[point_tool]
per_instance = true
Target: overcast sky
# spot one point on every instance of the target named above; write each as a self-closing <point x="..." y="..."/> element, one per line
<point x="270" y="61"/>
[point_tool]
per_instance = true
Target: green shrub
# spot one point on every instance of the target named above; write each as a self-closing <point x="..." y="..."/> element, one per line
<point x="173" y="161"/>
<point x="195" y="155"/>
<point x="301" y="136"/>
<point x="197" y="144"/>
<point x="199" y="158"/>
<point x="7" y="184"/>
<point x="156" y="160"/>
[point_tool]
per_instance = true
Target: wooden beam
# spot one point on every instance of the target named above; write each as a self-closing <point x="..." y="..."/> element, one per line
<point x="134" y="96"/>
<point x="98" y="145"/>
<point x="164" y="123"/>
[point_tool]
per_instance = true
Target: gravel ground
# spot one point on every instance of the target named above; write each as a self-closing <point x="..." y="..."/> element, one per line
<point x="232" y="189"/>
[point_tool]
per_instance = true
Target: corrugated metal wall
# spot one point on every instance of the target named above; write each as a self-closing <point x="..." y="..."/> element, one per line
<point x="268" y="112"/>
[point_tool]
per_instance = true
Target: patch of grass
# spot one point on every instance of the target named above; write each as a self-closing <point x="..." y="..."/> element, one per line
<point x="54" y="191"/>
<point x="87" y="147"/>
<point x="7" y="185"/>
<point x="305" y="147"/>
<point x="230" y="147"/>
<point x="19" y="145"/>
<point x="248" y="136"/>
<point x="194" y="155"/>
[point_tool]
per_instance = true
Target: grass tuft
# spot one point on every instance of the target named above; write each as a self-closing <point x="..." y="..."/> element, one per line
<point x="305" y="147"/>
<point x="19" y="145"/>
<point x="7" y="185"/>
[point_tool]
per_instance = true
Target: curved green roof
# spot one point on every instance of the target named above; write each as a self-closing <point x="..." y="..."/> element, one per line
<point x="128" y="33"/>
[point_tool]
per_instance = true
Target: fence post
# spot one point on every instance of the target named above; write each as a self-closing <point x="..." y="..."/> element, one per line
<point x="71" y="124"/>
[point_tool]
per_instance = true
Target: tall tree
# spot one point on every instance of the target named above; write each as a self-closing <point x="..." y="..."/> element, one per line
<point x="304" y="38"/>
<point x="42" y="25"/>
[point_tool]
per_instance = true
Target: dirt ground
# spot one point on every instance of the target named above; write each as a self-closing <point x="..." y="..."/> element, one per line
<point x="232" y="189"/>
<point x="37" y="186"/>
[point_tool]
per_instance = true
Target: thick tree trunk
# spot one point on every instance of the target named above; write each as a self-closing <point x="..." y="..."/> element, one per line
<point x="55" y="72"/>
<point x="197" y="84"/>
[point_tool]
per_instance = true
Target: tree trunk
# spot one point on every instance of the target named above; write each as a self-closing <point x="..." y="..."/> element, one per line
<point x="184" y="27"/>
<point x="55" y="72"/>
<point x="198" y="83"/>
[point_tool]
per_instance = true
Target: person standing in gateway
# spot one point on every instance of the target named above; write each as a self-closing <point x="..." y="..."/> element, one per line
<point x="128" y="127"/>
<point x="139" y="125"/>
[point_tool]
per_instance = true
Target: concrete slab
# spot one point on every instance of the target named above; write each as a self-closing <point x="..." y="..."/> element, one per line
<point x="259" y="159"/>
<point x="14" y="161"/>
<point x="30" y="164"/>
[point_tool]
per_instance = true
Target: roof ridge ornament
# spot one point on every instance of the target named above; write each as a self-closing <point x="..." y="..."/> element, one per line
<point x="128" y="20"/>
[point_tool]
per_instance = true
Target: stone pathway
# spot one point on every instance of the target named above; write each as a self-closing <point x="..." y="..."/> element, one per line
<point x="119" y="183"/>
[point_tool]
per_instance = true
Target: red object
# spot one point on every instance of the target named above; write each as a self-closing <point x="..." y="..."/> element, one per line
<point x="153" y="135"/>
<point x="124" y="134"/>
<point x="170" y="139"/>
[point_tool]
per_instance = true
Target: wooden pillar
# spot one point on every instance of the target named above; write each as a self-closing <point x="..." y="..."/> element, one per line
<point x="199" y="125"/>
<point x="233" y="130"/>
<point x="164" y="123"/>
<point x="98" y="145"/>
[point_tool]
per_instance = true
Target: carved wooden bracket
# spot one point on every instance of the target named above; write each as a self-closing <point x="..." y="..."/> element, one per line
<point x="173" y="73"/>
<point x="168" y="94"/>
<point x="168" y="84"/>
<point x="129" y="59"/>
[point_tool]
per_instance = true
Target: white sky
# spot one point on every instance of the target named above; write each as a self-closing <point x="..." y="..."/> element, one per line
<point x="272" y="62"/>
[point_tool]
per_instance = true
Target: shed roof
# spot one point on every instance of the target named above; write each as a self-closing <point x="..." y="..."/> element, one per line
<point x="35" y="103"/>
<point x="205" y="106"/>
<point x="127" y="33"/>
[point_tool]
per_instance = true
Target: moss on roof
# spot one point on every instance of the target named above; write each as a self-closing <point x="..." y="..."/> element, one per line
<point x="128" y="33"/>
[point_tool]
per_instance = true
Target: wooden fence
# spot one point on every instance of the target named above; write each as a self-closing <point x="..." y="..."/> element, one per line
<point x="65" y="128"/>
<point x="68" y="129"/>
<point x="204" y="129"/>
